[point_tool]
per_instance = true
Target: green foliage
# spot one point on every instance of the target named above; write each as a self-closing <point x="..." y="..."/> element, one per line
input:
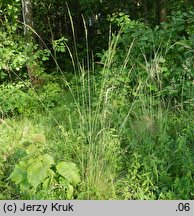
<point x="60" y="44"/>
<point x="13" y="98"/>
<point x="15" y="51"/>
<point x="12" y="56"/>
<point x="10" y="11"/>
<point x="39" y="177"/>
<point x="50" y="94"/>
<point x="126" y="123"/>
<point x="12" y="47"/>
<point x="20" y="98"/>
<point x="68" y="171"/>
<point x="168" y="55"/>
<point x="160" y="160"/>
<point x="15" y="54"/>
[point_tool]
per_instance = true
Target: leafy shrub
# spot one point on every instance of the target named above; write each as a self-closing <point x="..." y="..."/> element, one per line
<point x="39" y="177"/>
<point x="159" y="60"/>
<point x="50" y="95"/>
<point x="15" y="54"/>
<point x="15" y="51"/>
<point x="20" y="98"/>
<point x="13" y="98"/>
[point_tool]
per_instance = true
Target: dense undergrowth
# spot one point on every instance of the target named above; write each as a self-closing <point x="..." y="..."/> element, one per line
<point x="122" y="130"/>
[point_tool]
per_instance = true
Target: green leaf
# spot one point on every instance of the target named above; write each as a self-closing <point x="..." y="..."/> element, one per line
<point x="70" y="191"/>
<point x="31" y="149"/>
<point x="24" y="186"/>
<point x="19" y="174"/>
<point x="46" y="184"/>
<point x="44" y="58"/>
<point x="37" y="173"/>
<point x="69" y="171"/>
<point x="49" y="181"/>
<point x="47" y="160"/>
<point x="39" y="138"/>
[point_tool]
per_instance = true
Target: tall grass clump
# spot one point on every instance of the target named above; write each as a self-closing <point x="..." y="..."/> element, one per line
<point x="98" y="143"/>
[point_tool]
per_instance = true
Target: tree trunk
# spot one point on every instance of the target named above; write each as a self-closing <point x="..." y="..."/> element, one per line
<point x="28" y="25"/>
<point x="162" y="11"/>
<point x="27" y="17"/>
